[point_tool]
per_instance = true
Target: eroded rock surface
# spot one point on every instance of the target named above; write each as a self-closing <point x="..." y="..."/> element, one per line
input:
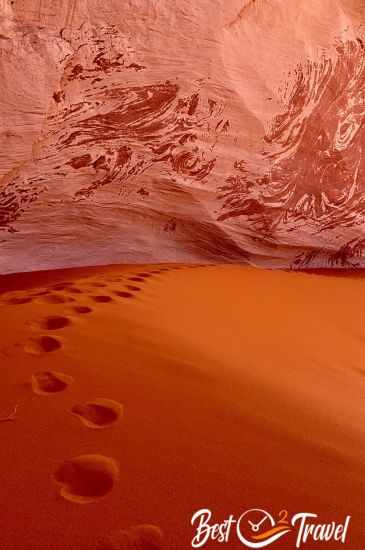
<point x="161" y="131"/>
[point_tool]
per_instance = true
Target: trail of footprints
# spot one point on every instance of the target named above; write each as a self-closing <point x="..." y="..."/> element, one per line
<point x="94" y="291"/>
<point x="87" y="478"/>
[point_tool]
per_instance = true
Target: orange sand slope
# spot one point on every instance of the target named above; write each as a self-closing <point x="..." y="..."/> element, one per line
<point x="138" y="395"/>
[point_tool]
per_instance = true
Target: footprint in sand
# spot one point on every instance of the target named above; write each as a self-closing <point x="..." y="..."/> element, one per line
<point x="139" y="537"/>
<point x="133" y="287"/>
<point x="102" y="299"/>
<point x="54" y="299"/>
<point x="123" y="294"/>
<point x="98" y="414"/>
<point x="61" y="286"/>
<point x="48" y="382"/>
<point x="87" y="478"/>
<point x="18" y="300"/>
<point x="43" y="344"/>
<point x="136" y="279"/>
<point x="54" y="322"/>
<point x="67" y="287"/>
<point x="82" y="310"/>
<point x="74" y="290"/>
<point x="144" y="275"/>
<point x="39" y="292"/>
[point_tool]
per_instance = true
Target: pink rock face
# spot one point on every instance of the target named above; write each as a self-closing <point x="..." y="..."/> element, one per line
<point x="166" y="131"/>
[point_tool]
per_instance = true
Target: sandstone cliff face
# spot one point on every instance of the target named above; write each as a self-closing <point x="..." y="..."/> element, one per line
<point x="142" y="131"/>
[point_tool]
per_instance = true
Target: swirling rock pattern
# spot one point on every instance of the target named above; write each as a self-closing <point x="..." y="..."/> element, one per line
<point x="159" y="132"/>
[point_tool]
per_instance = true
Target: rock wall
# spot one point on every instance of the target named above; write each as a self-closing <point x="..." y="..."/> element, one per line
<point x="146" y="131"/>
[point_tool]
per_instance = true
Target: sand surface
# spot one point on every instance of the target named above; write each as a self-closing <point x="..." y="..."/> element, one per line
<point x="142" y="394"/>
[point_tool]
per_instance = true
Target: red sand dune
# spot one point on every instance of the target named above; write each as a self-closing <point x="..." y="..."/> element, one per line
<point x="221" y="387"/>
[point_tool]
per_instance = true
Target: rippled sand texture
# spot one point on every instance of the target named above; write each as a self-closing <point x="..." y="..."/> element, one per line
<point x="131" y="397"/>
<point x="170" y="131"/>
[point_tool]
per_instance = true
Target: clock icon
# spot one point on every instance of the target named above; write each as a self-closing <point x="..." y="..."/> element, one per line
<point x="256" y="528"/>
<point x="256" y="518"/>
